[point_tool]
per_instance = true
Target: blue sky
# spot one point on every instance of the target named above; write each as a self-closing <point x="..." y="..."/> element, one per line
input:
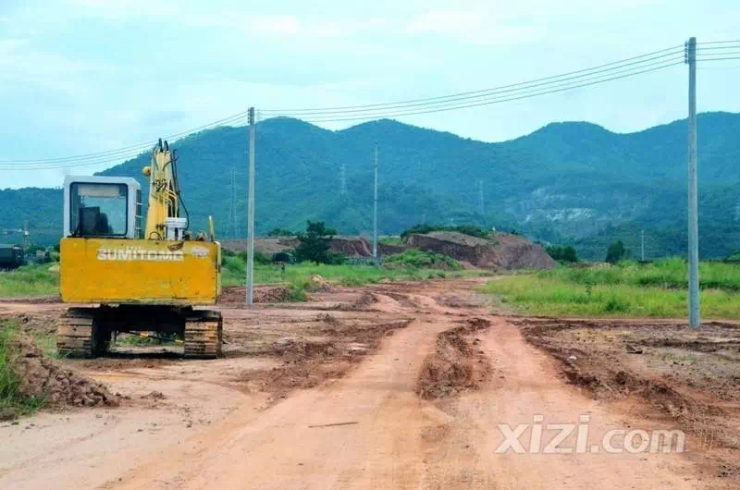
<point x="80" y="76"/>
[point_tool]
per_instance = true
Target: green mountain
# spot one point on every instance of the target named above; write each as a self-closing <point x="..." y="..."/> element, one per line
<point x="571" y="182"/>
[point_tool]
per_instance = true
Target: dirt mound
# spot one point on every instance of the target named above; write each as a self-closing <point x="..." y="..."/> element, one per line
<point x="320" y="284"/>
<point x="267" y="246"/>
<point x="682" y="378"/>
<point x="505" y="251"/>
<point x="366" y="299"/>
<point x="44" y="379"/>
<point x="235" y="296"/>
<point x="346" y="245"/>
<point x="329" y="353"/>
<point x="457" y="364"/>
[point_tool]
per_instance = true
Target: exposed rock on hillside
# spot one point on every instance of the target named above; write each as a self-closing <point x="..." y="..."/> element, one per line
<point x="505" y="251"/>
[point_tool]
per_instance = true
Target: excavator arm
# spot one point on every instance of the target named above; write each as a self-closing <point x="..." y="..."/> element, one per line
<point x="164" y="193"/>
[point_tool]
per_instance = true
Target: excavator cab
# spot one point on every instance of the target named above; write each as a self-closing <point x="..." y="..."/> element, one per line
<point x="102" y="207"/>
<point x="145" y="276"/>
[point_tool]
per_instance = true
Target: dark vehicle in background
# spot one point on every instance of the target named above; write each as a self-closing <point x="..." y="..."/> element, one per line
<point x="283" y="257"/>
<point x="11" y="256"/>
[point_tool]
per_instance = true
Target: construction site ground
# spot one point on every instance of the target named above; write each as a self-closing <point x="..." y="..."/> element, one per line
<point x="399" y="385"/>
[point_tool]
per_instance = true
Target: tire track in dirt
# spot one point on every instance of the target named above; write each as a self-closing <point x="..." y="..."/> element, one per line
<point x="371" y="429"/>
<point x="463" y="451"/>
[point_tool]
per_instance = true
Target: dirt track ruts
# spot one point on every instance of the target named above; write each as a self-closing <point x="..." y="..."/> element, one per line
<point x="368" y="429"/>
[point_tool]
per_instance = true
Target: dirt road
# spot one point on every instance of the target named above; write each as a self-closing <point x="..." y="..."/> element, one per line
<point x="305" y="401"/>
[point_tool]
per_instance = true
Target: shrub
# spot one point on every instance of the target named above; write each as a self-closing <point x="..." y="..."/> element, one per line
<point x="417" y="259"/>
<point x="616" y="252"/>
<point x="565" y="254"/>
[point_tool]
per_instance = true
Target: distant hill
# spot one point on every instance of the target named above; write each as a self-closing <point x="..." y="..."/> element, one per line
<point x="570" y="182"/>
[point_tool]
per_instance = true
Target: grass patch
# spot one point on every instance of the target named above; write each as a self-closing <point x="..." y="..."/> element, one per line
<point x="298" y="276"/>
<point x="667" y="273"/>
<point x="10" y="397"/>
<point x="417" y="259"/>
<point x="610" y="292"/>
<point x="391" y="240"/>
<point x="29" y="280"/>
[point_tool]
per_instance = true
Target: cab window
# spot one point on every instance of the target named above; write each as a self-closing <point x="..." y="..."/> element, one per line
<point x="99" y="209"/>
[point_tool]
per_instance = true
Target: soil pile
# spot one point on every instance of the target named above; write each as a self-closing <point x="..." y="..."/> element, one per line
<point x="318" y="283"/>
<point x="267" y="246"/>
<point x="509" y="252"/>
<point x="457" y="364"/>
<point x="42" y="378"/>
<point x="235" y="296"/>
<point x="348" y="245"/>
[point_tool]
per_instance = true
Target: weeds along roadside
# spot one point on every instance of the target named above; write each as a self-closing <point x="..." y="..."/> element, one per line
<point x="628" y="289"/>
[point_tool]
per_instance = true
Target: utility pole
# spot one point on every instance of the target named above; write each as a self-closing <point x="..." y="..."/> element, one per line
<point x="694" y="320"/>
<point x="343" y="182"/>
<point x="375" y="211"/>
<point x="642" y="245"/>
<point x="481" y="207"/>
<point x="250" y="212"/>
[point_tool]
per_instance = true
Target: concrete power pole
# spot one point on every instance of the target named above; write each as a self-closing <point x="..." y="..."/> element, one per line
<point x="250" y="212"/>
<point x="642" y="245"/>
<point x="375" y="212"/>
<point x="694" y="320"/>
<point x="343" y="180"/>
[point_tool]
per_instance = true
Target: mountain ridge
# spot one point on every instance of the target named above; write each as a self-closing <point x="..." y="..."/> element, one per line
<point x="566" y="182"/>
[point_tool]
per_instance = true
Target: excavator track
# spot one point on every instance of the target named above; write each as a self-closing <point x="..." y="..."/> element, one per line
<point x="203" y="334"/>
<point x="80" y="335"/>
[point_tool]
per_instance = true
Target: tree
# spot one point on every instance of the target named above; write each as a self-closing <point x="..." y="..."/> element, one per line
<point x="315" y="243"/>
<point x="616" y="252"/>
<point x="563" y="254"/>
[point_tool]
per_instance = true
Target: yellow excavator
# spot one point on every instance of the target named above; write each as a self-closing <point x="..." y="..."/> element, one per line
<point x="143" y="277"/>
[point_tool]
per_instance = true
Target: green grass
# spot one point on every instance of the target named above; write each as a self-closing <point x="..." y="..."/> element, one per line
<point x="10" y="397"/>
<point x="417" y="259"/>
<point x="667" y="273"/>
<point x="297" y="276"/>
<point x="37" y="280"/>
<point x="391" y="240"/>
<point x="29" y="280"/>
<point x="627" y="290"/>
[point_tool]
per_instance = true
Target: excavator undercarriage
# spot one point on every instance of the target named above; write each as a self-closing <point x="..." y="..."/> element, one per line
<point x="88" y="332"/>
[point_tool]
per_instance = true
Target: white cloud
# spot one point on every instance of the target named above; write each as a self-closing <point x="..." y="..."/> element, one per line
<point x="476" y="26"/>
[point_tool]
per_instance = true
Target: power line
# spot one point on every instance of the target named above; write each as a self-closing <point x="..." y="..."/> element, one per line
<point x="521" y="87"/>
<point x="718" y="59"/>
<point x="104" y="156"/>
<point x="729" y="41"/>
<point x="494" y="100"/>
<point x="672" y="51"/>
<point x="556" y="86"/>
<point x="636" y="65"/>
